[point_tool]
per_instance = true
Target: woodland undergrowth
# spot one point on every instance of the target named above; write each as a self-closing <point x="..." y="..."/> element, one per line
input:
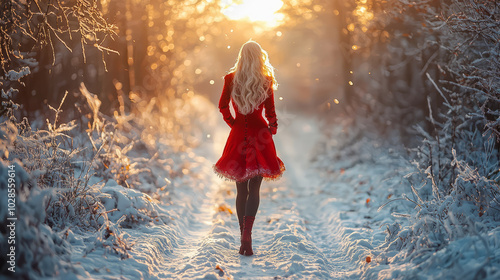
<point x="445" y="205"/>
<point x="75" y="173"/>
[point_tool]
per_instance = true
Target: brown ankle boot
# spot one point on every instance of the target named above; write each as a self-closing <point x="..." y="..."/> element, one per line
<point x="246" y="237"/>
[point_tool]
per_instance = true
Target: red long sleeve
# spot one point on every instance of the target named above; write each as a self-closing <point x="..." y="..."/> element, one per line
<point x="224" y="101"/>
<point x="270" y="111"/>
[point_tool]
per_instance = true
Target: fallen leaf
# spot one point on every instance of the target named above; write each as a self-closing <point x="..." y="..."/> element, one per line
<point x="224" y="208"/>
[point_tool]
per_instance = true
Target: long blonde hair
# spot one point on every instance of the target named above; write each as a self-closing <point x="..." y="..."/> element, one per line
<point x="253" y="76"/>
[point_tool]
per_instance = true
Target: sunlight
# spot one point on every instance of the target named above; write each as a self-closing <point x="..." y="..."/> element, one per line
<point x="253" y="10"/>
<point x="364" y="15"/>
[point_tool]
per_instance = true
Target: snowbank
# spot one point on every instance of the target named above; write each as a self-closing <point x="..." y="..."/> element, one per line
<point x="404" y="239"/>
<point x="38" y="250"/>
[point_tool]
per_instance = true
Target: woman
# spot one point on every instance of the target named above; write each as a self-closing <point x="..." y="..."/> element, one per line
<point x="249" y="154"/>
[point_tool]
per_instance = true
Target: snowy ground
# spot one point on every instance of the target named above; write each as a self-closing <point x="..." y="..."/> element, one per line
<point x="320" y="221"/>
<point x="305" y="228"/>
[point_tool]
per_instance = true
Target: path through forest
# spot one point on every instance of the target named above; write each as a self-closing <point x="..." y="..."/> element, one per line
<point x="290" y="235"/>
<point x="299" y="231"/>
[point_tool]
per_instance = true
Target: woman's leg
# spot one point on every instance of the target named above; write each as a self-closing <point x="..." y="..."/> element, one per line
<point x="241" y="201"/>
<point x="253" y="200"/>
<point x="252" y="205"/>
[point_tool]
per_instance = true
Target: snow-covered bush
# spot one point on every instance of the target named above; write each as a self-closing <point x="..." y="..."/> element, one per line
<point x="457" y="164"/>
<point x="159" y="128"/>
<point x="455" y="195"/>
<point x="132" y="205"/>
<point x="87" y="172"/>
<point x="440" y="60"/>
<point x="48" y="155"/>
<point x="83" y="172"/>
<point x="9" y="90"/>
<point x="111" y="239"/>
<point x="39" y="251"/>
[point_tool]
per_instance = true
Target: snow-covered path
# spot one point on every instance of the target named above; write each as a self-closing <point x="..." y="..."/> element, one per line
<point x="299" y="232"/>
<point x="290" y="238"/>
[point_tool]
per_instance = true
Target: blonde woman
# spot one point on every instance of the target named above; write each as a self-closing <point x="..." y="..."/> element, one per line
<point x="249" y="154"/>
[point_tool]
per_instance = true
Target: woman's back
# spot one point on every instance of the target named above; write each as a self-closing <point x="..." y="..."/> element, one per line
<point x="249" y="154"/>
<point x="255" y="118"/>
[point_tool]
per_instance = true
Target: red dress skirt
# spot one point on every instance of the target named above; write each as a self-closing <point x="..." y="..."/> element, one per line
<point x="249" y="149"/>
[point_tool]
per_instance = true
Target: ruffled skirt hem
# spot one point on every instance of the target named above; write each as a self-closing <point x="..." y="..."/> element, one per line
<point x="268" y="175"/>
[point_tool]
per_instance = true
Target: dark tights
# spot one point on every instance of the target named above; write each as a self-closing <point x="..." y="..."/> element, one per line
<point x="247" y="197"/>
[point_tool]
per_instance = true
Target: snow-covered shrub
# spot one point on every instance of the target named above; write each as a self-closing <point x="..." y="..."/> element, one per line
<point x="133" y="206"/>
<point x="454" y="192"/>
<point x="448" y="225"/>
<point x="39" y="251"/>
<point x="437" y="59"/>
<point x="463" y="183"/>
<point x="8" y="134"/>
<point x="73" y="174"/>
<point x="471" y="38"/>
<point x="48" y="155"/>
<point x="458" y="163"/>
<point x="112" y="140"/>
<point x="161" y="128"/>
<point x="112" y="239"/>
<point x="455" y="186"/>
<point x="9" y="90"/>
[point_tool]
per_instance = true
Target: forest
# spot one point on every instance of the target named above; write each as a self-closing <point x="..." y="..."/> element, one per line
<point x="389" y="117"/>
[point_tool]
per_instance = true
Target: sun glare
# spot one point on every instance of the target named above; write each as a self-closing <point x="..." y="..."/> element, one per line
<point x="265" y="11"/>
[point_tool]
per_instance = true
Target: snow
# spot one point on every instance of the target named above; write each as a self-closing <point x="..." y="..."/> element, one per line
<point x="13" y="75"/>
<point x="38" y="249"/>
<point x="322" y="220"/>
<point x="9" y="94"/>
<point x="199" y="239"/>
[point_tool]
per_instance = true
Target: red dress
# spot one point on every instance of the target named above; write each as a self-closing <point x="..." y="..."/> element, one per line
<point x="249" y="149"/>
